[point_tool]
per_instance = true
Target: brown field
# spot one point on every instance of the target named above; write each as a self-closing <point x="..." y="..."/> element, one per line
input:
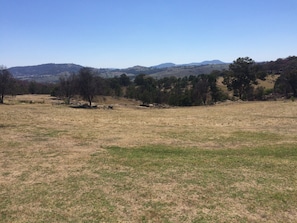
<point x="231" y="162"/>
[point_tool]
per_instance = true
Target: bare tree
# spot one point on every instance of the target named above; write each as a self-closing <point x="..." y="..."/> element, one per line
<point x="6" y="83"/>
<point x="87" y="84"/>
<point x="67" y="87"/>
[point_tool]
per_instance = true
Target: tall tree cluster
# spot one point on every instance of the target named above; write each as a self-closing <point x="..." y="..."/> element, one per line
<point x="286" y="83"/>
<point x="186" y="91"/>
<point x="195" y="90"/>
<point x="242" y="76"/>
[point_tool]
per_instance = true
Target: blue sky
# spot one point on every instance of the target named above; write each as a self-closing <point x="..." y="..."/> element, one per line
<point x="124" y="33"/>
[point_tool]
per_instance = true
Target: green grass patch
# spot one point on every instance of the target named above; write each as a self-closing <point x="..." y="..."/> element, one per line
<point x="254" y="136"/>
<point x="261" y="178"/>
<point x="164" y="184"/>
<point x="228" y="140"/>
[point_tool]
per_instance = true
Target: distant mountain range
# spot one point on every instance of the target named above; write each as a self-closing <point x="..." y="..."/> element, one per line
<point x="51" y="72"/>
<point x="206" y="62"/>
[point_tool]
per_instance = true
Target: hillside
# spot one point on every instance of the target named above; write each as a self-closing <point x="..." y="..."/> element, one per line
<point x="194" y="70"/>
<point x="159" y="71"/>
<point x="51" y="72"/>
<point x="45" y="72"/>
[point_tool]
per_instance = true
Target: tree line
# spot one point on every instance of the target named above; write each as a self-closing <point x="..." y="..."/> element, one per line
<point x="12" y="86"/>
<point x="241" y="79"/>
<point x="186" y="91"/>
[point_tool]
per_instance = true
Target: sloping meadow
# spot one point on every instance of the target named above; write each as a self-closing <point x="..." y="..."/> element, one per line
<point x="225" y="163"/>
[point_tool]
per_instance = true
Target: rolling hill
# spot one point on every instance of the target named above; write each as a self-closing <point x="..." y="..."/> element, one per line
<point x="51" y="72"/>
<point x="45" y="72"/>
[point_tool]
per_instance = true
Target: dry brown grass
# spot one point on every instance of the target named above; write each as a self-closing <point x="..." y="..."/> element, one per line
<point x="62" y="164"/>
<point x="269" y="82"/>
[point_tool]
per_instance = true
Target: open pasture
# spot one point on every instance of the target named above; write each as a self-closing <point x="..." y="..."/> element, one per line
<point x="232" y="162"/>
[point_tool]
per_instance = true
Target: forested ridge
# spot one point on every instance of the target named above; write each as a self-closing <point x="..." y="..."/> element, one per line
<point x="241" y="79"/>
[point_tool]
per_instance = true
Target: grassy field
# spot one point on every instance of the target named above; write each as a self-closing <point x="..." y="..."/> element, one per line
<point x="232" y="162"/>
